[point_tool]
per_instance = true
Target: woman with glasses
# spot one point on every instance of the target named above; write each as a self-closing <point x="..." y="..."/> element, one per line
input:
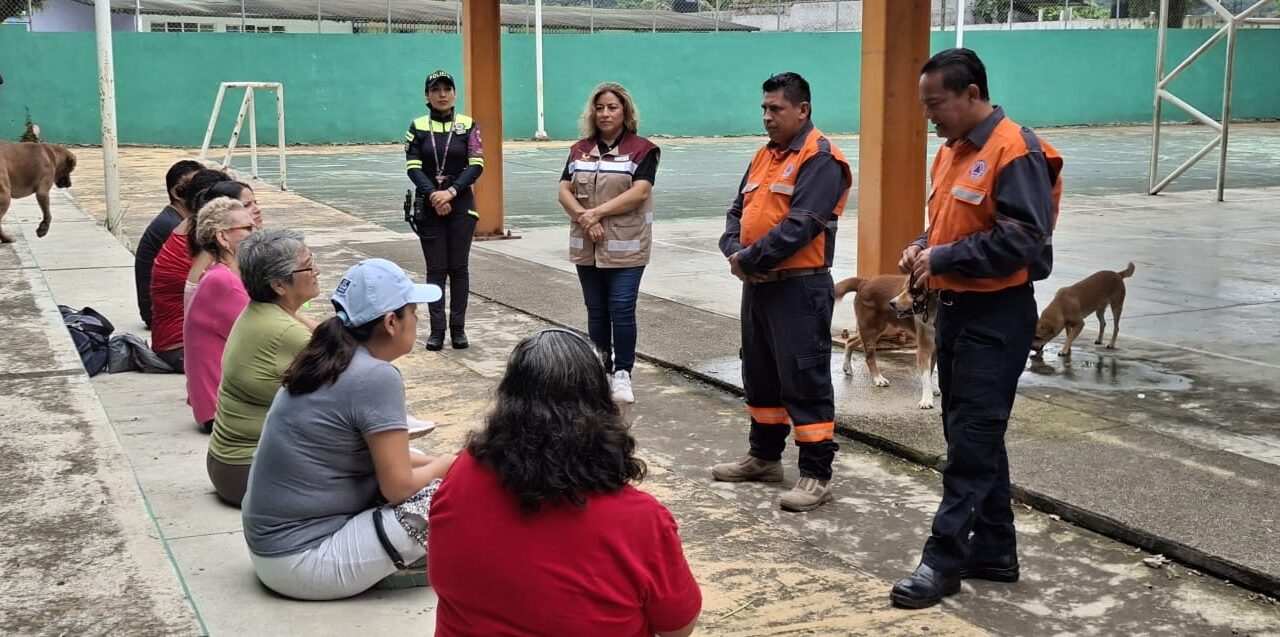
<point x="279" y="274"/>
<point x="202" y="258"/>
<point x="221" y="226"/>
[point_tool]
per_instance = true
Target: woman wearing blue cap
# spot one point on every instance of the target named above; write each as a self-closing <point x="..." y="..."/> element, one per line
<point x="444" y="156"/>
<point x="337" y="500"/>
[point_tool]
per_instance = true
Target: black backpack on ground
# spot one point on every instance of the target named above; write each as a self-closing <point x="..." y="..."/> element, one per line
<point x="91" y="332"/>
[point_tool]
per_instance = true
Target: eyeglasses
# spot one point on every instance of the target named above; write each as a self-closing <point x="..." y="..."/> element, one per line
<point x="249" y="227"/>
<point x="310" y="268"/>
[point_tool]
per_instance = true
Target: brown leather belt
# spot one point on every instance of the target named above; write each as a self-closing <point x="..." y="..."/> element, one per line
<point x="779" y="275"/>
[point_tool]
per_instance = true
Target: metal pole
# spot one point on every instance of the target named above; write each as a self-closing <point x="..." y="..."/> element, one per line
<point x="541" y="133"/>
<point x="319" y="13"/>
<point x="960" y="11"/>
<point x="107" y="103"/>
<point x="1227" y="87"/>
<point x="242" y="16"/>
<point x="280" y="132"/>
<point x="388" y="16"/>
<point x="137" y="16"/>
<point x="715" y="12"/>
<point x="593" y="17"/>
<point x="457" y="18"/>
<point x="1009" y="25"/>
<point x="31" y="17"/>
<point x="253" y="136"/>
<point x="654" y="13"/>
<point x="1161" y="39"/>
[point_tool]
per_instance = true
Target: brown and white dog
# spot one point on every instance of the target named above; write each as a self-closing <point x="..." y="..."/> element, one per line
<point x="1074" y="303"/>
<point x="888" y="300"/>
<point x="32" y="168"/>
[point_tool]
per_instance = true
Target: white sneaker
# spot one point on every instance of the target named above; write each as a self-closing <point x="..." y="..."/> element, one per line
<point x="621" y="385"/>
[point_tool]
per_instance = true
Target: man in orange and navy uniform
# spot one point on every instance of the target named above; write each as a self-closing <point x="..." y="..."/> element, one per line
<point x="780" y="239"/>
<point x="992" y="211"/>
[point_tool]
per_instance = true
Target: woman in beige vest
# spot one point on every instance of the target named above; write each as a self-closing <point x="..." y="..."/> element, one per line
<point x="607" y="191"/>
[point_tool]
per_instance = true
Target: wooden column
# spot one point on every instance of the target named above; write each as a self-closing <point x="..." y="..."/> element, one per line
<point x="891" y="149"/>
<point x="482" y="75"/>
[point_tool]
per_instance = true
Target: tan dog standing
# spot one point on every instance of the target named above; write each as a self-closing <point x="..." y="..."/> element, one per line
<point x="884" y="301"/>
<point x="1073" y="304"/>
<point x="32" y="168"/>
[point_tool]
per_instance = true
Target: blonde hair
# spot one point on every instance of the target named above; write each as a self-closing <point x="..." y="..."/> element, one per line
<point x="630" y="116"/>
<point x="215" y="216"/>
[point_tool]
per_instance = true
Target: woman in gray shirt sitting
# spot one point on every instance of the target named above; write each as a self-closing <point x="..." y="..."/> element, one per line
<point x="335" y="450"/>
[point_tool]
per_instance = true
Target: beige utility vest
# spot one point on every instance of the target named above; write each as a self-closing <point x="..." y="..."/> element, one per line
<point x="595" y="179"/>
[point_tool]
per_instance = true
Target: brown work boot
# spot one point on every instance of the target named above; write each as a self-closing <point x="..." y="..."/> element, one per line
<point x="807" y="495"/>
<point x="749" y="469"/>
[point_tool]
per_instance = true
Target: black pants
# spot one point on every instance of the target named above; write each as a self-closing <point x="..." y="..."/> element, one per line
<point x="786" y="369"/>
<point x="446" y="246"/>
<point x="983" y="341"/>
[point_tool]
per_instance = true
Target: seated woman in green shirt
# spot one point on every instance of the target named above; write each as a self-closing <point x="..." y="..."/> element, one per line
<point x="280" y="274"/>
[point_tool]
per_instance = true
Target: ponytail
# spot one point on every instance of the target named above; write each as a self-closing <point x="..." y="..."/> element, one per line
<point x="328" y="354"/>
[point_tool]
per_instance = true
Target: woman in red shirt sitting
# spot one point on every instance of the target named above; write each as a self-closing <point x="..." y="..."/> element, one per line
<point x="537" y="530"/>
<point x="169" y="274"/>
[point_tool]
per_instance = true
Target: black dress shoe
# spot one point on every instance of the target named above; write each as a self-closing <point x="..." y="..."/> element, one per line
<point x="459" y="339"/>
<point x="1001" y="569"/>
<point x="435" y="342"/>
<point x="923" y="588"/>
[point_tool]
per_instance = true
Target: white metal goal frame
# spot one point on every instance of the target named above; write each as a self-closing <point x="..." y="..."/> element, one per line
<point x="247" y="109"/>
<point x="1163" y="94"/>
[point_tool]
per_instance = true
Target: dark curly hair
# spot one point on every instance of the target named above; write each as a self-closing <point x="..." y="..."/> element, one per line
<point x="555" y="435"/>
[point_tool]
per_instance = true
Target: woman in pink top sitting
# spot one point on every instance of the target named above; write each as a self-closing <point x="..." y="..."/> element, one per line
<point x="218" y="300"/>
<point x="201" y="257"/>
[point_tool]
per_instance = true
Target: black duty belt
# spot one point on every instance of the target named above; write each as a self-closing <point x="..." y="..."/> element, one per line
<point x="780" y="275"/>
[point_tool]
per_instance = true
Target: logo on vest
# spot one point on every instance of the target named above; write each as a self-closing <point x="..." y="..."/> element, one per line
<point x="978" y="169"/>
<point x="586" y="156"/>
<point x="459" y="128"/>
<point x="786" y="172"/>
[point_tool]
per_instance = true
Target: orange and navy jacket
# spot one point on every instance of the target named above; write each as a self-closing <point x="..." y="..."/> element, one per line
<point x="992" y="208"/>
<point x="788" y="205"/>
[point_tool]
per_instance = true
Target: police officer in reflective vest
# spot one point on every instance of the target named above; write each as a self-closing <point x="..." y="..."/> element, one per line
<point x="444" y="156"/>
<point x="992" y="210"/>
<point x="780" y="241"/>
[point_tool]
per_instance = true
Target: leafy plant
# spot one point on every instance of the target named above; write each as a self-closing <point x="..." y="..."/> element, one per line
<point x="15" y="9"/>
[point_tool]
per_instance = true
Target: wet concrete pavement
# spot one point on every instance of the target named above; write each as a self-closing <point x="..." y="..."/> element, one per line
<point x="755" y="563"/>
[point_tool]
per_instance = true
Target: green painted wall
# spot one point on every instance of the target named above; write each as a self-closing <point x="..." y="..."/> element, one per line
<point x="366" y="88"/>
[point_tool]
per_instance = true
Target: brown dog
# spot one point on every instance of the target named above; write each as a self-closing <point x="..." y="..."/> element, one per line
<point x="27" y="169"/>
<point x="885" y="301"/>
<point x="1073" y="304"/>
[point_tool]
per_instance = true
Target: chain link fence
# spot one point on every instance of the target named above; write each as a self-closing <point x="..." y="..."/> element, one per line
<point x="590" y="16"/>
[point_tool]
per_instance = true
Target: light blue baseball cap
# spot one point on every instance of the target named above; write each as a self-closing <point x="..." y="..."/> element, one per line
<point x="375" y="287"/>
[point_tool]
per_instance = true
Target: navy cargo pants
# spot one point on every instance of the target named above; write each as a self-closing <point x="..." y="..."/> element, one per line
<point x="983" y="340"/>
<point x="786" y="369"/>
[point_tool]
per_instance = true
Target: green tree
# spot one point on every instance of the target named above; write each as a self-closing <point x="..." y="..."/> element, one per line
<point x="13" y="9"/>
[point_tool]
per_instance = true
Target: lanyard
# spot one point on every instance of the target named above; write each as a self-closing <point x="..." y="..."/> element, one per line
<point x="442" y="156"/>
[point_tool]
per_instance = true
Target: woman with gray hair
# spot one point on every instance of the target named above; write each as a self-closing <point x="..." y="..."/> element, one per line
<point x="280" y="274"/>
<point x="221" y="226"/>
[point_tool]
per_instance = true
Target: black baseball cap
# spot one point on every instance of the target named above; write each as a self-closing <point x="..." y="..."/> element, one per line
<point x="440" y="77"/>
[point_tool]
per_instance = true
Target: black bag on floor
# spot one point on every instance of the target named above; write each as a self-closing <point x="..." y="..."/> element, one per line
<point x="91" y="333"/>
<point x="130" y="353"/>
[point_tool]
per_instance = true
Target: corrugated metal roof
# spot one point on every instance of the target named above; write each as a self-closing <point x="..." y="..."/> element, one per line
<point x="434" y="12"/>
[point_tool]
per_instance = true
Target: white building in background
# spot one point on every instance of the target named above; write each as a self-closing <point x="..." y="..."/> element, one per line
<point x="353" y="16"/>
